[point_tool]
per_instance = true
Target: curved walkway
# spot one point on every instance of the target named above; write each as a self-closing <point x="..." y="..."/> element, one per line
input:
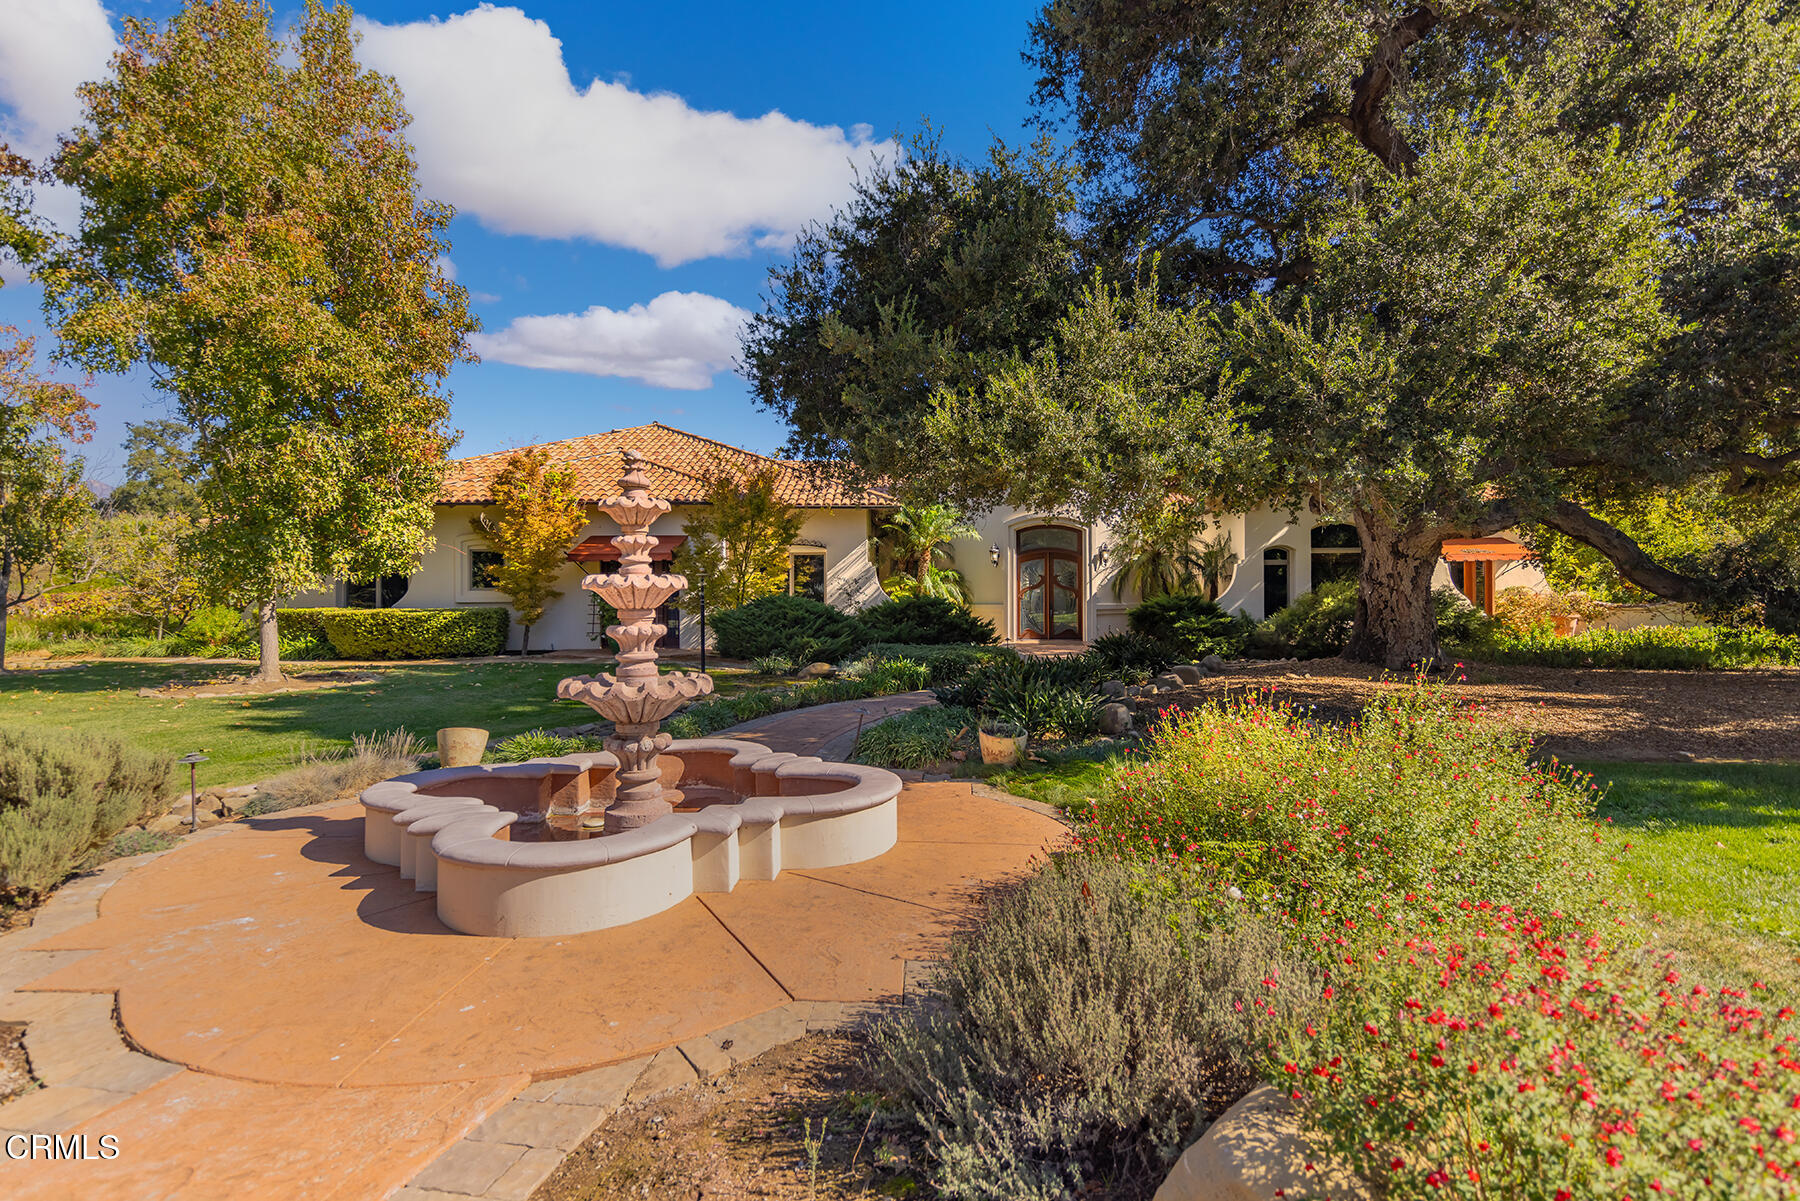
<point x="828" y="731"/>
<point x="296" y="1022"/>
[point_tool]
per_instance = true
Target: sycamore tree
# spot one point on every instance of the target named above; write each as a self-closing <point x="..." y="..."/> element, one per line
<point x="251" y="232"/>
<point x="1435" y="270"/>
<point x="42" y="497"/>
<point x="534" y="514"/>
<point x="737" y="543"/>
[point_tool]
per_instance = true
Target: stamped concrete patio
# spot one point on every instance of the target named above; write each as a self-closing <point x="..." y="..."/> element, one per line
<point x="297" y="1023"/>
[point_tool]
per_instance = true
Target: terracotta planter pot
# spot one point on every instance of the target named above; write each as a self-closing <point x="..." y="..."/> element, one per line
<point x="461" y="746"/>
<point x="1001" y="749"/>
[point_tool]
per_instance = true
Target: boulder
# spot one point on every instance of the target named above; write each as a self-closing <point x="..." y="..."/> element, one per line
<point x="1167" y="681"/>
<point x="1188" y="673"/>
<point x="817" y="671"/>
<point x="1254" y="1152"/>
<point x="1115" y="719"/>
<point x="1213" y="663"/>
<point x="1113" y="688"/>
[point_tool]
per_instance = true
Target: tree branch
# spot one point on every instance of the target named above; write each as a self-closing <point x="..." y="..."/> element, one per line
<point x="1633" y="562"/>
<point x="1368" y="117"/>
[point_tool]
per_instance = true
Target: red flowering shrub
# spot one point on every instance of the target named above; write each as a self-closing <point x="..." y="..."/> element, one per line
<point x="1483" y="1052"/>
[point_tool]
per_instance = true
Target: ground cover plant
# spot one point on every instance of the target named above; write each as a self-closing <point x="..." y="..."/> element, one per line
<point x="62" y="795"/>
<point x="1679" y="648"/>
<point x="250" y="738"/>
<point x="917" y="738"/>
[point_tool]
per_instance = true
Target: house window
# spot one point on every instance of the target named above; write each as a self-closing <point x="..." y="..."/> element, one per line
<point x="382" y="593"/>
<point x="806" y="575"/>
<point x="1336" y="554"/>
<point x="481" y="569"/>
<point x="1275" y="580"/>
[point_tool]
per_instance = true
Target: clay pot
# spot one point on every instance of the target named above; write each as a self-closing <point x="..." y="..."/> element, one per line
<point x="461" y="746"/>
<point x="1001" y="749"/>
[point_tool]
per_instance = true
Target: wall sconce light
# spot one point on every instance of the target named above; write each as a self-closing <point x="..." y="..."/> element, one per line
<point x="994" y="554"/>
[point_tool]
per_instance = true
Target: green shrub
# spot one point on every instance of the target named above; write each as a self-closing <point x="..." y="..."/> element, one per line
<point x="1418" y="794"/>
<point x="1677" y="648"/>
<point x="915" y="738"/>
<point x="401" y="633"/>
<point x="1088" y="1033"/>
<point x="1316" y="625"/>
<point x="1131" y="657"/>
<point x="215" y="630"/>
<point x="1192" y="627"/>
<point x="799" y="627"/>
<point x="61" y="796"/>
<point x="925" y="620"/>
<point x="772" y="665"/>
<point x="947" y="664"/>
<point x="1458" y="621"/>
<point x="320" y="776"/>
<point x="541" y="744"/>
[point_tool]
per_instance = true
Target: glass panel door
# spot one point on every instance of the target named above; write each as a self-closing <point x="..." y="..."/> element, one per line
<point x="1065" y="599"/>
<point x="1031" y="598"/>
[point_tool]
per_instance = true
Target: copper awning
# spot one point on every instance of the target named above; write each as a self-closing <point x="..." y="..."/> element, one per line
<point x="600" y="548"/>
<point x="1465" y="550"/>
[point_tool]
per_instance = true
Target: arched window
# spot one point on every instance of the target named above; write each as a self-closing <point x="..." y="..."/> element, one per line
<point x="1275" y="580"/>
<point x="1336" y="553"/>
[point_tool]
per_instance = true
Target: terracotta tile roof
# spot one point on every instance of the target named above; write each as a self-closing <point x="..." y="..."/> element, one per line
<point x="679" y="464"/>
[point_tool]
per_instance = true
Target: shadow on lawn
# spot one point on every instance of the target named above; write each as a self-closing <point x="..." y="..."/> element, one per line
<point x="1699" y="795"/>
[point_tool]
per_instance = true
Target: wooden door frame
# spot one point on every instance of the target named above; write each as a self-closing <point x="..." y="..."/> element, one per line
<point x="1048" y="556"/>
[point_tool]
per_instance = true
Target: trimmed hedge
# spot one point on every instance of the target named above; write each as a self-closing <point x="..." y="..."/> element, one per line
<point x="1191" y="626"/>
<point x="400" y="633"/>
<point x="63" y="795"/>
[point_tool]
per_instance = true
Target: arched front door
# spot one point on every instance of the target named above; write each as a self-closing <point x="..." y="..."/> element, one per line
<point x="1049" y="582"/>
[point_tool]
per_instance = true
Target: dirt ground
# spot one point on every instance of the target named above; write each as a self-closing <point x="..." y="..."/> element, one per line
<point x="15" y="1070"/>
<point x="1576" y="713"/>
<point x="746" y="1134"/>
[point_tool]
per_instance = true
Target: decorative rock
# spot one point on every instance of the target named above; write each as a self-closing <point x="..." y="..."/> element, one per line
<point x="817" y="671"/>
<point x="1213" y="663"/>
<point x="1166" y="681"/>
<point x="461" y="746"/>
<point x="1113" y="688"/>
<point x="1115" y="719"/>
<point x="1255" y="1153"/>
<point x="1188" y="673"/>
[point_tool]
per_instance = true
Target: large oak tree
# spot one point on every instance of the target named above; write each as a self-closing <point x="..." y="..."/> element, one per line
<point x="252" y="233"/>
<point x="1435" y="269"/>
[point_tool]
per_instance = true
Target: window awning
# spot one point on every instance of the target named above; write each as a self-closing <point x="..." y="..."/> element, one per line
<point x="1470" y="550"/>
<point x="601" y="549"/>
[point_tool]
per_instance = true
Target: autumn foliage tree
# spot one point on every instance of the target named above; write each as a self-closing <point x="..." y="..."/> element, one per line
<point x="738" y="542"/>
<point x="251" y="233"/>
<point x="534" y="514"/>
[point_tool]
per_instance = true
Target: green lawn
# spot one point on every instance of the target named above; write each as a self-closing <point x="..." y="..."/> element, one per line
<point x="250" y="738"/>
<point x="1714" y="840"/>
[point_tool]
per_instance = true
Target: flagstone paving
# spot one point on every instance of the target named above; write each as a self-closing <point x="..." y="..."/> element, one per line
<point x="293" y="1021"/>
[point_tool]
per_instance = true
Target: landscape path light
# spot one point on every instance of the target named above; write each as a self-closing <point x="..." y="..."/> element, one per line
<point x="193" y="759"/>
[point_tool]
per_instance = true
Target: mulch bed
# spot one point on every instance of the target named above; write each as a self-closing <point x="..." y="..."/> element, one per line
<point x="744" y="1135"/>
<point x="1574" y="713"/>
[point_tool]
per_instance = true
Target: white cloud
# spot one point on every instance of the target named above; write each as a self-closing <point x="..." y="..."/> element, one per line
<point x="678" y="340"/>
<point x="445" y="266"/>
<point x="48" y="48"/>
<point x="503" y="133"/>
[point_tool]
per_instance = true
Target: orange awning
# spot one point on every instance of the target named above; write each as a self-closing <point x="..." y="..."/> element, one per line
<point x="601" y="549"/>
<point x="1466" y="550"/>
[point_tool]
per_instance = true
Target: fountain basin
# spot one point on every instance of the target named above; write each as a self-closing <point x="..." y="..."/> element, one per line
<point x="507" y="852"/>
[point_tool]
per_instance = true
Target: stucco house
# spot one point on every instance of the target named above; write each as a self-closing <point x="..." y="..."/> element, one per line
<point x="1036" y="576"/>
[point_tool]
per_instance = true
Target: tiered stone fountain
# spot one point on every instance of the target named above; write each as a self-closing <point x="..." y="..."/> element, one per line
<point x="638" y="699"/>
<point x="588" y="841"/>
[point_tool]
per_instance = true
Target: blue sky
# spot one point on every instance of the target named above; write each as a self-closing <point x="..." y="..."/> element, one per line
<point x="625" y="174"/>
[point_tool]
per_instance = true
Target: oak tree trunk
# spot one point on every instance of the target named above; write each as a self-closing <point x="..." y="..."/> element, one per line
<point x="268" y="665"/>
<point x="1395" y="625"/>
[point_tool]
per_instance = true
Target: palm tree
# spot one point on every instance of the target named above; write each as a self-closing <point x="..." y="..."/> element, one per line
<point x="920" y="536"/>
<point x="1158" y="557"/>
<point x="1217" y="562"/>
